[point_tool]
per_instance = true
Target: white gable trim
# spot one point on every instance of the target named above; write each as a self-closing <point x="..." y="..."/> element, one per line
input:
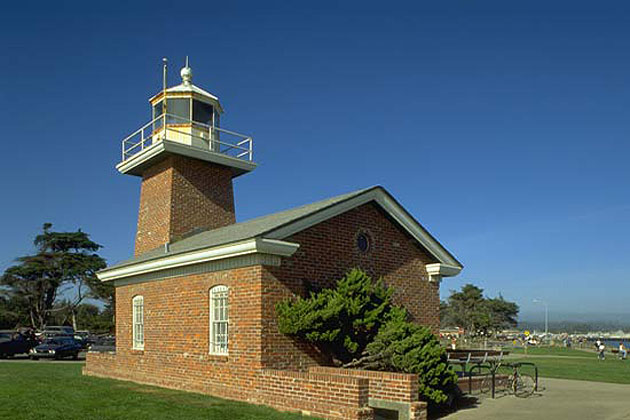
<point x="437" y="271"/>
<point x="389" y="205"/>
<point x="251" y="246"/>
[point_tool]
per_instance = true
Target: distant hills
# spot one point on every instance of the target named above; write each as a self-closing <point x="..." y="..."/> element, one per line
<point x="575" y="322"/>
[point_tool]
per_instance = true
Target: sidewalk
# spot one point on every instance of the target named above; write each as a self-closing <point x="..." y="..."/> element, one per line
<point x="561" y="399"/>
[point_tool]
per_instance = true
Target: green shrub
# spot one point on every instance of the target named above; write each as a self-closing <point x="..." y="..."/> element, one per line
<point x="340" y="321"/>
<point x="403" y="346"/>
<point x="359" y="327"/>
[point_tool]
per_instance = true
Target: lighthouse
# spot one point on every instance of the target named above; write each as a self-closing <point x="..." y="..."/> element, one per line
<point x="187" y="162"/>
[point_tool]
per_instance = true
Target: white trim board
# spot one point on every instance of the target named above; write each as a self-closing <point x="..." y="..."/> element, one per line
<point x="437" y="270"/>
<point x="233" y="263"/>
<point x="251" y="246"/>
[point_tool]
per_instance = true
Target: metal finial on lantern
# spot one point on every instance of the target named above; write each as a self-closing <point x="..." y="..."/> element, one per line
<point x="186" y="74"/>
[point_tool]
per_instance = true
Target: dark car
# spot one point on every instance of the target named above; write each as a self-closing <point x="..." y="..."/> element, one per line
<point x="57" y="331"/>
<point x="12" y="343"/>
<point x="103" y="343"/>
<point x="56" y="348"/>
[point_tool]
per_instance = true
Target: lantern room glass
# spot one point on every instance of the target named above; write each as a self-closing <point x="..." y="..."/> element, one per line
<point x="178" y="110"/>
<point x="202" y="112"/>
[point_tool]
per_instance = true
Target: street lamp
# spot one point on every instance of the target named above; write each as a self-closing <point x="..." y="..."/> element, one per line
<point x="546" y="314"/>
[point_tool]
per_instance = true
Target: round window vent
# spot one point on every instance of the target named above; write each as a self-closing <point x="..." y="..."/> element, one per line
<point x="363" y="242"/>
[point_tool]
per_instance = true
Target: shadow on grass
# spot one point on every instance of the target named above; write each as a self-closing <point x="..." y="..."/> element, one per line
<point x="174" y="396"/>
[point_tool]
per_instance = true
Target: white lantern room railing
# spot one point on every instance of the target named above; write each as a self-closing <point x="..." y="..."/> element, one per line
<point x="191" y="133"/>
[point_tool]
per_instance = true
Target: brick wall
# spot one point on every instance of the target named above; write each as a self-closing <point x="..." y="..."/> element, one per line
<point x="326" y="252"/>
<point x="392" y="386"/>
<point x="176" y="332"/>
<point x="176" y="313"/>
<point x="321" y="395"/>
<point x="323" y="392"/>
<point x="180" y="195"/>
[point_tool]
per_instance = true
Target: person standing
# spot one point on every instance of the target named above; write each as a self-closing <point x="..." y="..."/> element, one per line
<point x="601" y="348"/>
<point x="622" y="351"/>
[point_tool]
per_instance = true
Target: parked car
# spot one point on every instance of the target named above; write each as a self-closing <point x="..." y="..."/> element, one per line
<point x="56" y="348"/>
<point x="84" y="338"/>
<point x="55" y="330"/>
<point x="103" y="343"/>
<point x="12" y="343"/>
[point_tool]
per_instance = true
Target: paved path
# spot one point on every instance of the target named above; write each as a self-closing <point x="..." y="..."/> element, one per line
<point x="561" y="399"/>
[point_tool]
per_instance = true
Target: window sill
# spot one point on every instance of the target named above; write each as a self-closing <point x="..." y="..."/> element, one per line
<point x="217" y="357"/>
<point x="137" y="351"/>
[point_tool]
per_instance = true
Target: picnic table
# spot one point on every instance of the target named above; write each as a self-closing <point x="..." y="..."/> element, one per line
<point x="465" y="357"/>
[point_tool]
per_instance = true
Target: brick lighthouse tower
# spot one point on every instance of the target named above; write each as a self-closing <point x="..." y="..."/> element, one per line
<point x="186" y="162"/>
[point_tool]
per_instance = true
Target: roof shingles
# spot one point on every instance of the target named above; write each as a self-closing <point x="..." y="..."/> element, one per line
<point x="237" y="232"/>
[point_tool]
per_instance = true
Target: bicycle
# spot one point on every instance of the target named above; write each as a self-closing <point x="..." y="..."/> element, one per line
<point x="520" y="384"/>
<point x="491" y="378"/>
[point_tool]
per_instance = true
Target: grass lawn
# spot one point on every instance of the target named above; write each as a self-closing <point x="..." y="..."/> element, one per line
<point x="41" y="390"/>
<point x="563" y="363"/>
<point x="551" y="351"/>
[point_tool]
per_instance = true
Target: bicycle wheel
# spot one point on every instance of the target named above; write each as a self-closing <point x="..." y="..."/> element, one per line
<point x="524" y="386"/>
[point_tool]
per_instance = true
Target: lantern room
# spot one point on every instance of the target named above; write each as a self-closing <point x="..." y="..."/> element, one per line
<point x="191" y="114"/>
<point x="186" y="119"/>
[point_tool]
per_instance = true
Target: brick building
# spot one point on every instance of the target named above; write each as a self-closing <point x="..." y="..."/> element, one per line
<point x="195" y="306"/>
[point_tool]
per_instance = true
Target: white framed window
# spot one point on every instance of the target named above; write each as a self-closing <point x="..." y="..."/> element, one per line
<point x="138" y="322"/>
<point x="219" y="320"/>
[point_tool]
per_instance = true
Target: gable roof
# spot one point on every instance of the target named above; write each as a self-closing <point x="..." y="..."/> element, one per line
<point x="278" y="226"/>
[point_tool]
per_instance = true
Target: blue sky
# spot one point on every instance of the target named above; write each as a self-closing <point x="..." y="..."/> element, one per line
<point x="504" y="128"/>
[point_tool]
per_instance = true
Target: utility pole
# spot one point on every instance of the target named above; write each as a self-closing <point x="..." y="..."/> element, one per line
<point x="546" y="314"/>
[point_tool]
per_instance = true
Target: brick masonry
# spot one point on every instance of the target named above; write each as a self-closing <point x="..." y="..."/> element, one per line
<point x="382" y="385"/>
<point x="263" y="366"/>
<point x="180" y="195"/>
<point x="326" y="252"/>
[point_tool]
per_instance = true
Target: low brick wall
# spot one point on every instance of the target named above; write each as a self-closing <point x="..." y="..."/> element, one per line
<point x="473" y="384"/>
<point x="325" y="392"/>
<point x="321" y="395"/>
<point x="316" y="394"/>
<point x="402" y="387"/>
<point x="399" y="389"/>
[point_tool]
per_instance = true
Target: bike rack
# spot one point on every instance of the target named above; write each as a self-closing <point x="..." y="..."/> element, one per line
<point x="494" y="371"/>
<point x="535" y="372"/>
<point x="479" y="366"/>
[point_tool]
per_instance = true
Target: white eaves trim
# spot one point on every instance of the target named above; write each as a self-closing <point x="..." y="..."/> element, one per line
<point x="436" y="271"/>
<point x="250" y="246"/>
<point x="390" y="206"/>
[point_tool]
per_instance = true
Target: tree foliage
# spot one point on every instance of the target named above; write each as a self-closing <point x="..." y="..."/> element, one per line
<point x="89" y="317"/>
<point x="403" y="346"/>
<point x="340" y="321"/>
<point x="357" y="324"/>
<point x="65" y="264"/>
<point x="476" y="313"/>
<point x="13" y="311"/>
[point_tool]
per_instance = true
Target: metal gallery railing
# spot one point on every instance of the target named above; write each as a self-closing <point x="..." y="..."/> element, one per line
<point x="192" y="133"/>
